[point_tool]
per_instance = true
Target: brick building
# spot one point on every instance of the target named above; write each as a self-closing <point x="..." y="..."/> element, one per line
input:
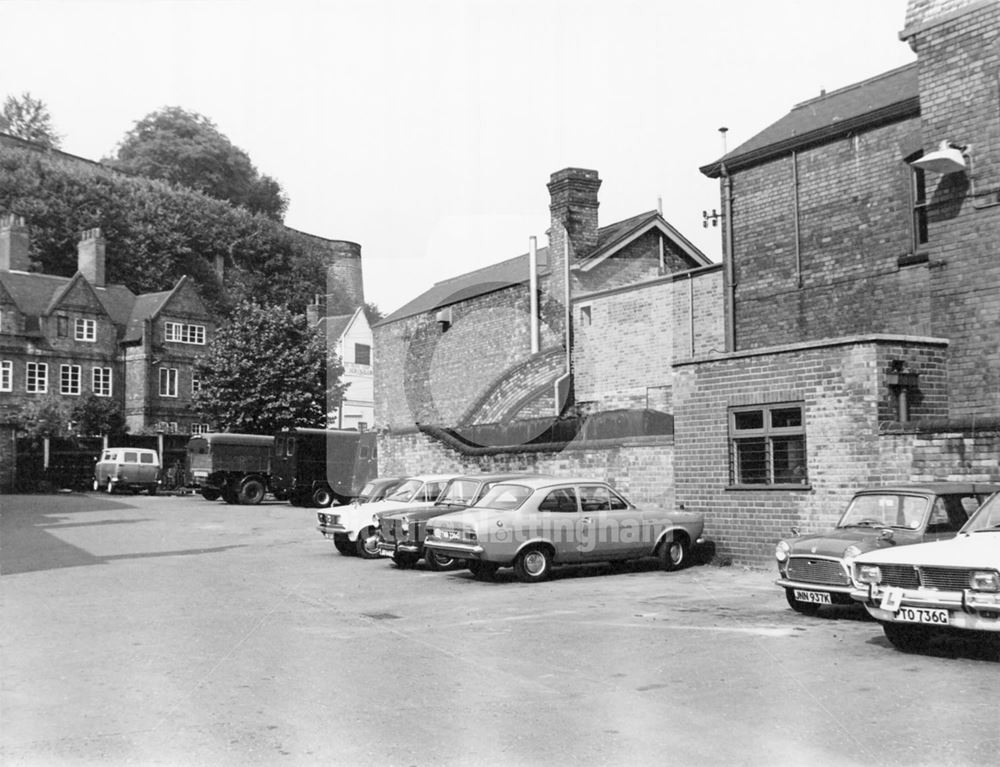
<point x="73" y="336"/>
<point x="862" y="301"/>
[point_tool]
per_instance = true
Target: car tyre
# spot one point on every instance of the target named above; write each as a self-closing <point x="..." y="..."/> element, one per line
<point x="483" y="571"/>
<point x="151" y="489"/>
<point x="322" y="497"/>
<point x="96" y="485"/>
<point x="252" y="492"/>
<point x="906" y="638"/>
<point x="109" y="488"/>
<point x="673" y="554"/>
<point x="533" y="565"/>
<point x="439" y="562"/>
<point x="806" y="608"/>
<point x="344" y="544"/>
<point x="366" y="546"/>
<point x="404" y="561"/>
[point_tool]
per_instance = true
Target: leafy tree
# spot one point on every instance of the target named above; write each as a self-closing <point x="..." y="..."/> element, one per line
<point x="373" y="313"/>
<point x="98" y="415"/>
<point x="264" y="371"/>
<point x="187" y="148"/>
<point x="47" y="416"/>
<point x="26" y="117"/>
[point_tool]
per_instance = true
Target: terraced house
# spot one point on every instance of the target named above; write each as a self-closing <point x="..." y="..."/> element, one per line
<point x="72" y="336"/>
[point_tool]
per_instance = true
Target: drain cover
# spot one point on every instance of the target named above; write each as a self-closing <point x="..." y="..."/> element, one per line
<point x="381" y="616"/>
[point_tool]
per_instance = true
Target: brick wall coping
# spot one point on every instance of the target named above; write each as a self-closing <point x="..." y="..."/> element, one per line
<point x="672" y="277"/>
<point x="944" y="18"/>
<point x="964" y="425"/>
<point x="824" y="343"/>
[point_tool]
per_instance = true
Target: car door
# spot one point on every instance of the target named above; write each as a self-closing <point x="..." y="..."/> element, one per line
<point x="948" y="514"/>
<point x="611" y="528"/>
<point x="130" y="467"/>
<point x="559" y="521"/>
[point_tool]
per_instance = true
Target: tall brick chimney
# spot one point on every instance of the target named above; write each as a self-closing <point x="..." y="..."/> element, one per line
<point x="14" y="242"/>
<point x="90" y="257"/>
<point x="573" y="205"/>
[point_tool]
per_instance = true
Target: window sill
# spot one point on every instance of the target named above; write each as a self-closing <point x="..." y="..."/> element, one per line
<point x="765" y="488"/>
<point x="912" y="259"/>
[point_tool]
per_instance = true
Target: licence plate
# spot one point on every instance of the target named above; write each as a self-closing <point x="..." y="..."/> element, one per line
<point x="922" y="615"/>
<point x="385" y="552"/>
<point x="815" y="597"/>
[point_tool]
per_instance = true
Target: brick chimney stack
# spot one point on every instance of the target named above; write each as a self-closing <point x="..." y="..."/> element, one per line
<point x="14" y="242"/>
<point x="573" y="205"/>
<point x="90" y="257"/>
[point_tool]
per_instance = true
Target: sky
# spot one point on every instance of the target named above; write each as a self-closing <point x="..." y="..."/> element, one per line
<point x="426" y="130"/>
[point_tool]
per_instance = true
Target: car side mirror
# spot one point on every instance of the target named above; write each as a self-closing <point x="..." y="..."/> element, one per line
<point x="888" y="536"/>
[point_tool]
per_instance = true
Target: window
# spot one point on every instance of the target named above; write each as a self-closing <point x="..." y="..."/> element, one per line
<point x="561" y="500"/>
<point x="100" y="382"/>
<point x="600" y="498"/>
<point x="585" y="315"/>
<point x="181" y="333"/>
<point x="195" y="383"/>
<point x="62" y="326"/>
<point x="36" y="379"/>
<point x="918" y="194"/>
<point x="199" y="428"/>
<point x="168" y="382"/>
<point x="362" y="354"/>
<point x="85" y="330"/>
<point x="69" y="379"/>
<point x="767" y="445"/>
<point x="6" y="375"/>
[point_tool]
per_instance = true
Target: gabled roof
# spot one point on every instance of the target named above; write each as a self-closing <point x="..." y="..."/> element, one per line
<point x="145" y="307"/>
<point x="34" y="294"/>
<point x="616" y="236"/>
<point x="888" y="97"/>
<point x="334" y="327"/>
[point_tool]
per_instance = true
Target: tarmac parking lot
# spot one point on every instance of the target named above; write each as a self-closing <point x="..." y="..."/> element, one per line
<point x="170" y="630"/>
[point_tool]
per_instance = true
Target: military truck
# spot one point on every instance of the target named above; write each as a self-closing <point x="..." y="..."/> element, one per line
<point x="234" y="467"/>
<point x="320" y="467"/>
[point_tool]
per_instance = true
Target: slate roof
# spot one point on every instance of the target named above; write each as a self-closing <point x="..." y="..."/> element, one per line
<point x="145" y="306"/>
<point x="33" y="293"/>
<point x="888" y="97"/>
<point x="335" y="326"/>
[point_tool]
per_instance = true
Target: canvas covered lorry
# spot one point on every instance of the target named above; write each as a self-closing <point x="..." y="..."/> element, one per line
<point x="234" y="467"/>
<point x="320" y="467"/>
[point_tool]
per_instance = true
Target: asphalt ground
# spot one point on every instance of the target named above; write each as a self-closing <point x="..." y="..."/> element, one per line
<point x="176" y="631"/>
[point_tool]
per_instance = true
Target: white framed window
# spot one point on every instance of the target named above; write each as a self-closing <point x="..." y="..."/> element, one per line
<point x="181" y="333"/>
<point x="100" y="382"/>
<point x="199" y="428"/>
<point x="168" y="382"/>
<point x="195" y="382"/>
<point x="69" y="379"/>
<point x="6" y="375"/>
<point x="85" y="330"/>
<point x="36" y="378"/>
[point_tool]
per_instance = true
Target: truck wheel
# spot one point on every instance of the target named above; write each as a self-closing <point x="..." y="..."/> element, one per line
<point x="367" y="544"/>
<point x="209" y="495"/>
<point x="252" y="492"/>
<point x="229" y="496"/>
<point x="322" y="497"/>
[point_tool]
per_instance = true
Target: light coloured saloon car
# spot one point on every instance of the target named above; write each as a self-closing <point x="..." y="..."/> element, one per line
<point x="535" y="524"/>
<point x="950" y="586"/>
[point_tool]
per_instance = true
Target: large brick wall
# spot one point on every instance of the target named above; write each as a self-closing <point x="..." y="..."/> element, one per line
<point x="841" y="384"/>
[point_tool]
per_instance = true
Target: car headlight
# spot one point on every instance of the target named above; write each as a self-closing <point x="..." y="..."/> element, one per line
<point x="852" y="551"/>
<point x="781" y="551"/>
<point x="984" y="580"/>
<point x="870" y="574"/>
<point x="375" y="520"/>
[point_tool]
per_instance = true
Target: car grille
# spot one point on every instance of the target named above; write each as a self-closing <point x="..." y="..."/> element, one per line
<point x="388" y="530"/>
<point x="944" y="578"/>
<point x="824" y="571"/>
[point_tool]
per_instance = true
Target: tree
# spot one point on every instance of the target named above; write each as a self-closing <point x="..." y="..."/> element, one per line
<point x="187" y="148"/>
<point x="98" y="415"/>
<point x="26" y="117"/>
<point x="264" y="371"/>
<point x="46" y="416"/>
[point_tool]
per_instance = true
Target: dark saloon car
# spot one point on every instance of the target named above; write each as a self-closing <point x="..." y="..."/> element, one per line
<point x="402" y="533"/>
<point x="815" y="570"/>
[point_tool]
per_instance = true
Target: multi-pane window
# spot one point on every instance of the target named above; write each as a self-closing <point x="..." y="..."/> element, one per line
<point x="36" y="378"/>
<point x="362" y="354"/>
<point x="6" y="375"/>
<point x="767" y="445"/>
<point x="199" y="428"/>
<point x="168" y="382"/>
<point x="69" y="379"/>
<point x="918" y="193"/>
<point x="195" y="383"/>
<point x="62" y="325"/>
<point x="183" y="333"/>
<point x="85" y="330"/>
<point x="100" y="382"/>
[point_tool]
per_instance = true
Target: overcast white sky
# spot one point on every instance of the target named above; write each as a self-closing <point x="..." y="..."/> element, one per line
<point x="426" y="130"/>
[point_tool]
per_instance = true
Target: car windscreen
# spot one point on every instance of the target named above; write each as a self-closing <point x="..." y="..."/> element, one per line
<point x="459" y="491"/>
<point x="987" y="518"/>
<point x="405" y="491"/>
<point x="504" y="497"/>
<point x="885" y="510"/>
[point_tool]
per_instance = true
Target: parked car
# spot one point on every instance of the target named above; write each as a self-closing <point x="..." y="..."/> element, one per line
<point x="950" y="586"/>
<point x="234" y="467"/>
<point x="127" y="468"/>
<point x="353" y="527"/>
<point x="815" y="570"/>
<point x="534" y="524"/>
<point x="379" y="488"/>
<point x="402" y="533"/>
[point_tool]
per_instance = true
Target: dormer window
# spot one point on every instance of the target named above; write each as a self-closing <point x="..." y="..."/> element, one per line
<point x="182" y="333"/>
<point x="85" y="330"/>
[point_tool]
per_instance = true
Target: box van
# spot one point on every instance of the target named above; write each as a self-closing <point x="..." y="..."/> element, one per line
<point x="318" y="467"/>
<point x="127" y="468"/>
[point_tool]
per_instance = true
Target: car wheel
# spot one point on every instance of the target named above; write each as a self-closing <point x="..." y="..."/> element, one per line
<point x="109" y="488"/>
<point x="806" y="608"/>
<point x="906" y="638"/>
<point x="252" y="492"/>
<point x="483" y="571"/>
<point x="673" y="554"/>
<point x="322" y="497"/>
<point x="533" y="565"/>
<point x="344" y="545"/>
<point x="96" y="485"/>
<point x="367" y="544"/>
<point x="440" y="562"/>
<point x="151" y="489"/>
<point x="210" y="495"/>
<point x="404" y="561"/>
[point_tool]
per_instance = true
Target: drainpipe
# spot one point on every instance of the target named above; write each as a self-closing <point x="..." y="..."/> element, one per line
<point x="727" y="255"/>
<point x="795" y="218"/>
<point x="533" y="291"/>
<point x="562" y="383"/>
<point x="691" y="310"/>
